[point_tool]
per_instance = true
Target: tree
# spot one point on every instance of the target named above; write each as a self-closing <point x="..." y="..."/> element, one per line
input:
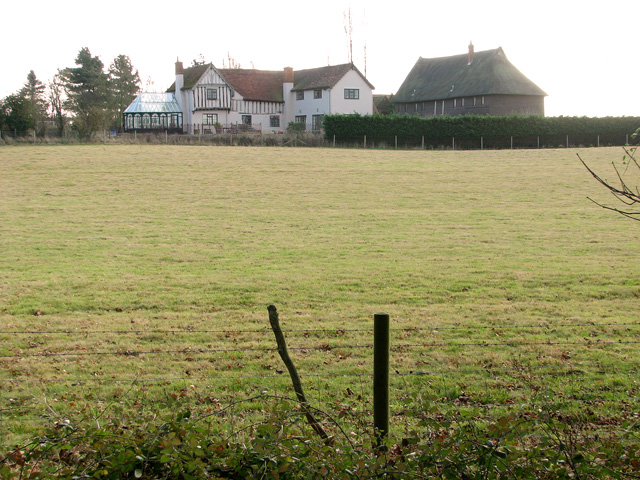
<point x="34" y="92"/>
<point x="198" y="61"/>
<point x="124" y="85"/>
<point x="623" y="192"/>
<point x="56" y="102"/>
<point x="15" y="114"/>
<point x="86" y="88"/>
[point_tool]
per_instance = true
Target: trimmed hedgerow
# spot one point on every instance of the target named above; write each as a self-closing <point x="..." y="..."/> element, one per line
<point x="385" y="128"/>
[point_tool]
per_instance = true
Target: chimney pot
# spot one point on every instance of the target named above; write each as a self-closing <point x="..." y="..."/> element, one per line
<point x="470" y="53"/>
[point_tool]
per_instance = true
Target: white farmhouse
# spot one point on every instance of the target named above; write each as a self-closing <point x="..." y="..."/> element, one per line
<point x="216" y="100"/>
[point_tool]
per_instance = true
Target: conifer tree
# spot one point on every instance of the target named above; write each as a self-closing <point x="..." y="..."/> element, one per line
<point x="124" y="84"/>
<point x="87" y="93"/>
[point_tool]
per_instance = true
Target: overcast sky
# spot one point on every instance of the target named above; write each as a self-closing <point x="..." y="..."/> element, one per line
<point x="582" y="54"/>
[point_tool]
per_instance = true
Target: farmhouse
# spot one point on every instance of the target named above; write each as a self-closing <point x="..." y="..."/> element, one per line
<point x="479" y="83"/>
<point x="214" y="100"/>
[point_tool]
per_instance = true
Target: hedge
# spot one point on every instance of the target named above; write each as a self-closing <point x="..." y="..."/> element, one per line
<point x="386" y="128"/>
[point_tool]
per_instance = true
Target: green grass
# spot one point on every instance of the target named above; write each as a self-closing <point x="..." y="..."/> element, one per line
<point x="150" y="238"/>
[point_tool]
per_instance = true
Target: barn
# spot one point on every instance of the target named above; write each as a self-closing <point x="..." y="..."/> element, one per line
<point x="478" y="83"/>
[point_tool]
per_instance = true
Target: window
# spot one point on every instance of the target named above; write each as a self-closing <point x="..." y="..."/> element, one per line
<point x="300" y="95"/>
<point x="246" y="119"/>
<point x="475" y="101"/>
<point x="455" y="103"/>
<point x="352" y="93"/>
<point x="316" y="122"/>
<point x="274" y="121"/>
<point x="483" y="100"/>
<point x="302" y="119"/>
<point x="317" y="93"/>
<point x="212" y="93"/>
<point x="209" y="118"/>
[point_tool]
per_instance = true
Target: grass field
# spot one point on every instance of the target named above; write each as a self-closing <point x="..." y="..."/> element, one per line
<point x="504" y="283"/>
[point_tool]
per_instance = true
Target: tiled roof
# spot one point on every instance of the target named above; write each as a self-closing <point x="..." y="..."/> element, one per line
<point x="260" y="85"/>
<point x="323" y="77"/>
<point x="266" y="85"/>
<point x="489" y="73"/>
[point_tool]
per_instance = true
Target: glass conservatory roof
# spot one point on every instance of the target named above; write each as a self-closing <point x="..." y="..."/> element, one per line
<point x="154" y="103"/>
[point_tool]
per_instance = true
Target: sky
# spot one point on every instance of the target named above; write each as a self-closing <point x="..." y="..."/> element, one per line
<point x="582" y="54"/>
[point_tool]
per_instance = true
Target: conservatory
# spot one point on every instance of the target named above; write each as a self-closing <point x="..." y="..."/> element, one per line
<point x="151" y="112"/>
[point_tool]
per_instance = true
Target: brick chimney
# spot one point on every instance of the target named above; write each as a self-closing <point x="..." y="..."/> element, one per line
<point x="288" y="75"/>
<point x="470" y="53"/>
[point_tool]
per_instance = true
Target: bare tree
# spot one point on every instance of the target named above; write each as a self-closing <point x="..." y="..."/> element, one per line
<point x="56" y="102"/>
<point x="628" y="195"/>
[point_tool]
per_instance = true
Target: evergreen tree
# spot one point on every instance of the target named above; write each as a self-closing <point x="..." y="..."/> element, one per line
<point x="124" y="84"/>
<point x="86" y="88"/>
<point x="34" y="92"/>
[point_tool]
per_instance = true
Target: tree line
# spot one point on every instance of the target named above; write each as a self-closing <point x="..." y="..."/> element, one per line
<point x="86" y="98"/>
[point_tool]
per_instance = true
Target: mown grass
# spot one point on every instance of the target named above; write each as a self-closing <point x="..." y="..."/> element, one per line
<point x="504" y="283"/>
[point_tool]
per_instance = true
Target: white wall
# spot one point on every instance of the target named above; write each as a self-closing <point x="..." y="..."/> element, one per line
<point x="363" y="106"/>
<point x="310" y="106"/>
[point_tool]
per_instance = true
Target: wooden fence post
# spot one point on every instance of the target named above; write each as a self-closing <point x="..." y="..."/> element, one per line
<point x="381" y="376"/>
<point x="293" y="373"/>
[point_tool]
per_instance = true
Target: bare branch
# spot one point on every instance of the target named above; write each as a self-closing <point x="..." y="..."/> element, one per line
<point x="622" y="193"/>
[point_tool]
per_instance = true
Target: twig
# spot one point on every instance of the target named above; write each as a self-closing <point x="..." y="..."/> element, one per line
<point x="623" y="193"/>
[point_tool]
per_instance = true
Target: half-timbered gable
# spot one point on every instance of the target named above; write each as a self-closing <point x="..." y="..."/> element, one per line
<point x="212" y="91"/>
